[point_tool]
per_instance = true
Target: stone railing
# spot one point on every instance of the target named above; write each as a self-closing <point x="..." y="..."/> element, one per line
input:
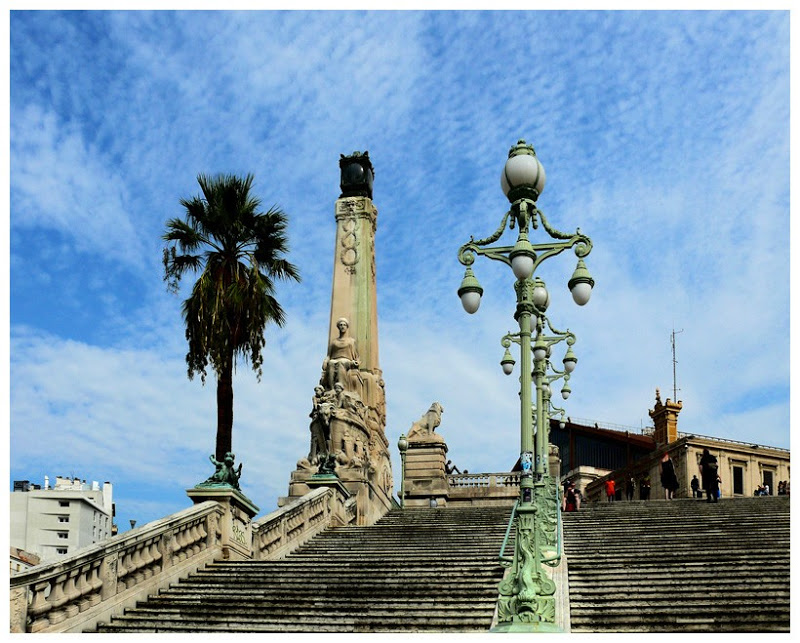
<point x="73" y="594"/>
<point x="284" y="530"/>
<point x="101" y="581"/>
<point x="483" y="480"/>
<point x="482" y="488"/>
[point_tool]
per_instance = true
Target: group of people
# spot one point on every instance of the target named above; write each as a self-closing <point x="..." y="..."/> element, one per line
<point x="710" y="481"/>
<point x="763" y="489"/>
<point x="630" y="488"/>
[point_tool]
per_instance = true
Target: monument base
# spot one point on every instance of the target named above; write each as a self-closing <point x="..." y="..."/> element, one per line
<point x="235" y="528"/>
<point x="426" y="479"/>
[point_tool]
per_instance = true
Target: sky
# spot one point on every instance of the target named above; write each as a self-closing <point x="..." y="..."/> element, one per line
<point x="664" y="136"/>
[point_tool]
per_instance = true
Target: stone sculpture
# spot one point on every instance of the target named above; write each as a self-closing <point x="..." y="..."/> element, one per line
<point x="225" y="475"/>
<point x="426" y="425"/>
<point x="342" y="357"/>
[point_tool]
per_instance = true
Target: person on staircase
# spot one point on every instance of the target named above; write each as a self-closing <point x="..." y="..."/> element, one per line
<point x="669" y="481"/>
<point x="610" y="490"/>
<point x="572" y="501"/>
<point x="708" y="472"/>
<point x="696" y="493"/>
<point x="629" y="487"/>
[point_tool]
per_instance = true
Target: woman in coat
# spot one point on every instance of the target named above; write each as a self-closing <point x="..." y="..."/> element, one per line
<point x="668" y="478"/>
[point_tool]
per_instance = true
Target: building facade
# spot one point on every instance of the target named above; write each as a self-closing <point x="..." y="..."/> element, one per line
<point x="55" y="522"/>
<point x="742" y="467"/>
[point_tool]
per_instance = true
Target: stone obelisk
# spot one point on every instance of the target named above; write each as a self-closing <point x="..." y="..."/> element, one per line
<point x="348" y="418"/>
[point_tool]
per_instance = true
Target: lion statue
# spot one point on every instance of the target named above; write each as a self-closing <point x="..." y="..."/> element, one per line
<point x="427" y="424"/>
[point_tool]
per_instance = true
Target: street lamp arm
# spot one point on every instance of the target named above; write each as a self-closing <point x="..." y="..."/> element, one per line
<point x="494" y="237"/>
<point x="467" y="252"/>
<point x="570" y="336"/>
<point x="586" y="243"/>
<point x="557" y="374"/>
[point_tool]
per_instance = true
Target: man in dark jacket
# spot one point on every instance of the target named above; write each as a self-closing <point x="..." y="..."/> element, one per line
<point x="708" y="472"/>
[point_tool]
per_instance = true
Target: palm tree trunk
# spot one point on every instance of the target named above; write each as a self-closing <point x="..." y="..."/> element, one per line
<point x="225" y="411"/>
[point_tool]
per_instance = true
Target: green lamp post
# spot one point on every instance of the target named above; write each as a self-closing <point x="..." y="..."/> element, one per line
<point x="527" y="602"/>
<point x="402" y="445"/>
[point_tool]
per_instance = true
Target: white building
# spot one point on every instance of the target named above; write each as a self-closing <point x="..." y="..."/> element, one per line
<point x="54" y="522"/>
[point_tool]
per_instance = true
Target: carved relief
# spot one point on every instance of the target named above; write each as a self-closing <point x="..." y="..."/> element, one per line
<point x="349" y="242"/>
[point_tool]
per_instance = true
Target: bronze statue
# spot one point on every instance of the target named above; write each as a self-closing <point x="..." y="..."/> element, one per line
<point x="225" y="475"/>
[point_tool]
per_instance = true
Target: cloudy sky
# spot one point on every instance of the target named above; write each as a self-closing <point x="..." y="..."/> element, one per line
<point x="665" y="137"/>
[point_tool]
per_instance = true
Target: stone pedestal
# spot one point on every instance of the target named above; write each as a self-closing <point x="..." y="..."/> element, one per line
<point x="426" y="477"/>
<point x="236" y="524"/>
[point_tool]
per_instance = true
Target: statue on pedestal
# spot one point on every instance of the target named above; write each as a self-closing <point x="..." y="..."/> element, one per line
<point x="225" y="475"/>
<point x="342" y="357"/>
<point x="426" y="425"/>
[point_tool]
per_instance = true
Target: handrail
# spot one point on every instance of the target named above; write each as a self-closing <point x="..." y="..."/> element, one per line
<point x="555" y="561"/>
<point x="552" y="561"/>
<point x="505" y="561"/>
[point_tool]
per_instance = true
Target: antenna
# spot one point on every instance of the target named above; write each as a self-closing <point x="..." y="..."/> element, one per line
<point x="675" y="388"/>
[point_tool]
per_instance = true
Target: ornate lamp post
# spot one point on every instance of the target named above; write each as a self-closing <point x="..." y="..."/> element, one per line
<point x="402" y="445"/>
<point x="527" y="600"/>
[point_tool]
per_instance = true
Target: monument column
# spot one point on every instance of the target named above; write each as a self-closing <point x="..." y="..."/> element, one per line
<point x="348" y="417"/>
<point x="354" y="295"/>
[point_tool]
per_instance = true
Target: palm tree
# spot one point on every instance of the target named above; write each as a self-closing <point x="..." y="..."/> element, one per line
<point x="239" y="252"/>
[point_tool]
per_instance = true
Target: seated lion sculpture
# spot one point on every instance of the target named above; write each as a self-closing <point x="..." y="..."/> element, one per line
<point x="426" y="425"/>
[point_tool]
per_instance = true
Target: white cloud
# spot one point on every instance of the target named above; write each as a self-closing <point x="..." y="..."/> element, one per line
<point x="59" y="182"/>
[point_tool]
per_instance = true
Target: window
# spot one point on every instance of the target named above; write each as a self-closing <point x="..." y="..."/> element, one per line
<point x="61" y="550"/>
<point x="63" y="519"/>
<point x="63" y="534"/>
<point x="738" y="481"/>
<point x="63" y="503"/>
<point x="768" y="482"/>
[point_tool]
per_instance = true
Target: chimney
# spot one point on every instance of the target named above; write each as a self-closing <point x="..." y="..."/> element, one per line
<point x="665" y="420"/>
<point x="46" y="482"/>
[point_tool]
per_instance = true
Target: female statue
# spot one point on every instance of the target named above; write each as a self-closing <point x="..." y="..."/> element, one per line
<point x="342" y="356"/>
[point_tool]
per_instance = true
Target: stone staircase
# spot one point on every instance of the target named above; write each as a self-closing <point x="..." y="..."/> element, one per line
<point x="679" y="566"/>
<point x="418" y="570"/>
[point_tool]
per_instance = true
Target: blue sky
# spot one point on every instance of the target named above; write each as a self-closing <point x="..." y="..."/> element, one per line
<point x="665" y="137"/>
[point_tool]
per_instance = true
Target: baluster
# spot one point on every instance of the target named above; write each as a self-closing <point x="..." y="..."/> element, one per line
<point x="40" y="607"/>
<point x="123" y="568"/>
<point x="177" y="546"/>
<point x="84" y="587"/>
<point x="73" y="593"/>
<point x="194" y="546"/>
<point x="57" y="599"/>
<point x="136" y="568"/>
<point x="96" y="583"/>
<point x="146" y="558"/>
<point x="155" y="554"/>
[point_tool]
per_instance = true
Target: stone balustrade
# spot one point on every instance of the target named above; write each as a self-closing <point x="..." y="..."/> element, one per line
<point x="72" y="594"/>
<point x="285" y="529"/>
<point x="461" y="480"/>
<point x="97" y="582"/>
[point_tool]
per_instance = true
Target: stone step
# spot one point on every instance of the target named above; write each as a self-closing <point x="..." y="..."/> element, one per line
<point x="314" y="623"/>
<point x="476" y="583"/>
<point x="170" y="599"/>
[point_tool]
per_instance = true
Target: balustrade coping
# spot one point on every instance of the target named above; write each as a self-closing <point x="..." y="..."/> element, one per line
<point x="98" y="551"/>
